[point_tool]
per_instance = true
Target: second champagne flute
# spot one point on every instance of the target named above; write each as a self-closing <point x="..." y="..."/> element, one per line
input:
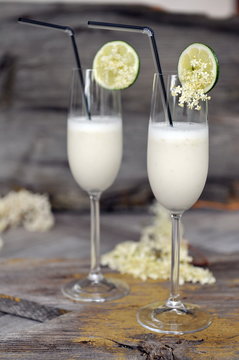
<point x="177" y="170"/>
<point x="94" y="145"/>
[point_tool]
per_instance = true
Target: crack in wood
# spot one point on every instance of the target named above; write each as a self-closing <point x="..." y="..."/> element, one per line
<point x="166" y="349"/>
<point x="44" y="108"/>
<point x="8" y="74"/>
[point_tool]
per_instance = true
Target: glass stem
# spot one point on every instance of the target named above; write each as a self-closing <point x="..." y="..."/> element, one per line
<point x="95" y="272"/>
<point x="173" y="300"/>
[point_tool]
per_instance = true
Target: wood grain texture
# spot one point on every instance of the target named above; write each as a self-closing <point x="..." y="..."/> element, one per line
<point x="110" y="330"/>
<point x="34" y="266"/>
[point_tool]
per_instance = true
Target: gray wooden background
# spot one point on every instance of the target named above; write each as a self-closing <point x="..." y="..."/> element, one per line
<point x="35" y="72"/>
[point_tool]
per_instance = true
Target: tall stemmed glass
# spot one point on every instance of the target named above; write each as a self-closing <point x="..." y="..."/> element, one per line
<point x="177" y="162"/>
<point x="94" y="144"/>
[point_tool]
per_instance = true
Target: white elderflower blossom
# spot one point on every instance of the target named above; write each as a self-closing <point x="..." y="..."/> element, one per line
<point x="119" y="66"/>
<point x="33" y="211"/>
<point x="150" y="257"/>
<point x="191" y="92"/>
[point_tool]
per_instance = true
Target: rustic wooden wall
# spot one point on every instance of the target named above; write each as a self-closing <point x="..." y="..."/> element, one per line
<point x="35" y="70"/>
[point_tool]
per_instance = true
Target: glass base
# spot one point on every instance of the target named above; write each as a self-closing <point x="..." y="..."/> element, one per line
<point x="160" y="318"/>
<point x="88" y="290"/>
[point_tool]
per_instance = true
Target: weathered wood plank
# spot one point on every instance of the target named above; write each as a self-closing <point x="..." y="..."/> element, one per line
<point x="110" y="330"/>
<point x="14" y="324"/>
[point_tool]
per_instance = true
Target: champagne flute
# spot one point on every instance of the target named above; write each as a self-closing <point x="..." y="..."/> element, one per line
<point x="94" y="145"/>
<point x="177" y="163"/>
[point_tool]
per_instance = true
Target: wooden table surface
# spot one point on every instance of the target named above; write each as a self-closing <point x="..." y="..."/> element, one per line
<point x="38" y="322"/>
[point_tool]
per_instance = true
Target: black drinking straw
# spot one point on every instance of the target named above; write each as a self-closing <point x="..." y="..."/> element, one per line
<point x="143" y="30"/>
<point x="69" y="31"/>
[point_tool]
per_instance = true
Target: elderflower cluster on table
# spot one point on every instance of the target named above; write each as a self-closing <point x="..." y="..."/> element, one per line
<point x="150" y="257"/>
<point x="33" y="211"/>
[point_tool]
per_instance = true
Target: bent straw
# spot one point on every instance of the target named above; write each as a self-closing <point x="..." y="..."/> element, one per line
<point x="69" y="31"/>
<point x="144" y="30"/>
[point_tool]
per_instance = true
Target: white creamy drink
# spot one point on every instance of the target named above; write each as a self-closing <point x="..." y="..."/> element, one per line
<point x="94" y="151"/>
<point x="177" y="163"/>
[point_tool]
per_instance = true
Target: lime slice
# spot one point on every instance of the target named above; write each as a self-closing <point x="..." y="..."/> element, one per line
<point x="198" y="62"/>
<point x="116" y="65"/>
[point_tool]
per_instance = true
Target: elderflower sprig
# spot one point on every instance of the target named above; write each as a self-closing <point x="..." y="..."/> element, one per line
<point x="194" y="81"/>
<point x="33" y="211"/>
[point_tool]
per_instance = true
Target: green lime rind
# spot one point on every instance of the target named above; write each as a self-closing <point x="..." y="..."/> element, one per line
<point x="123" y="78"/>
<point x="217" y="68"/>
